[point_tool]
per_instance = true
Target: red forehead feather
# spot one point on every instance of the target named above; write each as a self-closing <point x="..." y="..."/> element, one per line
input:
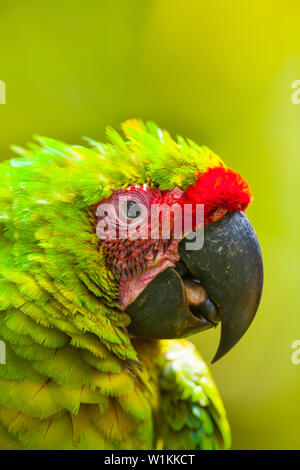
<point x="220" y="187"/>
<point x="217" y="188"/>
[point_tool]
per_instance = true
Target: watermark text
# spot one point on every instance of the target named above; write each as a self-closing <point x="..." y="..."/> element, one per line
<point x="2" y="92"/>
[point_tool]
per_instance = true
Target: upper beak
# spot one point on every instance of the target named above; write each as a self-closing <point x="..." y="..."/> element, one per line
<point x="229" y="269"/>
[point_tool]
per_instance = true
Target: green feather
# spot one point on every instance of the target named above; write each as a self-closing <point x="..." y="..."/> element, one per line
<point x="73" y="378"/>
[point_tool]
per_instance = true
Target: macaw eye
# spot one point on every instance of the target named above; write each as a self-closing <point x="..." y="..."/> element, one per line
<point x="132" y="210"/>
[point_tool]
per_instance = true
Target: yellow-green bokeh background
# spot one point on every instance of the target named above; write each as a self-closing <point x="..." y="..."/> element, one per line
<point x="219" y="72"/>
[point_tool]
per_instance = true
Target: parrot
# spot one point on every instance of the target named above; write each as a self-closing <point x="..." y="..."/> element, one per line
<point x="95" y="310"/>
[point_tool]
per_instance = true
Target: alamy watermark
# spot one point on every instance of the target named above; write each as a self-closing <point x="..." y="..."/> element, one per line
<point x="295" y="358"/>
<point x="296" y="94"/>
<point x="2" y="92"/>
<point x="2" y="352"/>
<point x="129" y="219"/>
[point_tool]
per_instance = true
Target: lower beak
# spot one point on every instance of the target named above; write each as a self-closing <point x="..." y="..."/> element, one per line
<point x="222" y="281"/>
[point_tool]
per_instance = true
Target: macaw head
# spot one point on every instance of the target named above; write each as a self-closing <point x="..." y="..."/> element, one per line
<point x="151" y="226"/>
<point x="178" y="241"/>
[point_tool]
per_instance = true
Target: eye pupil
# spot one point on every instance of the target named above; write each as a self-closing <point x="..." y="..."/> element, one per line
<point x="132" y="210"/>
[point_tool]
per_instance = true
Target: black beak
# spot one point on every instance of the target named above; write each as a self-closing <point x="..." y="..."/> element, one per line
<point x="229" y="266"/>
<point x="230" y="272"/>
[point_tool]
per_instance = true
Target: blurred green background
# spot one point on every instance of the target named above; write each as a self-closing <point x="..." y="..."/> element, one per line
<point x="219" y="72"/>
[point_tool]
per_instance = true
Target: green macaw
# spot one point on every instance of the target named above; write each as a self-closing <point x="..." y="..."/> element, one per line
<point x="92" y="320"/>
